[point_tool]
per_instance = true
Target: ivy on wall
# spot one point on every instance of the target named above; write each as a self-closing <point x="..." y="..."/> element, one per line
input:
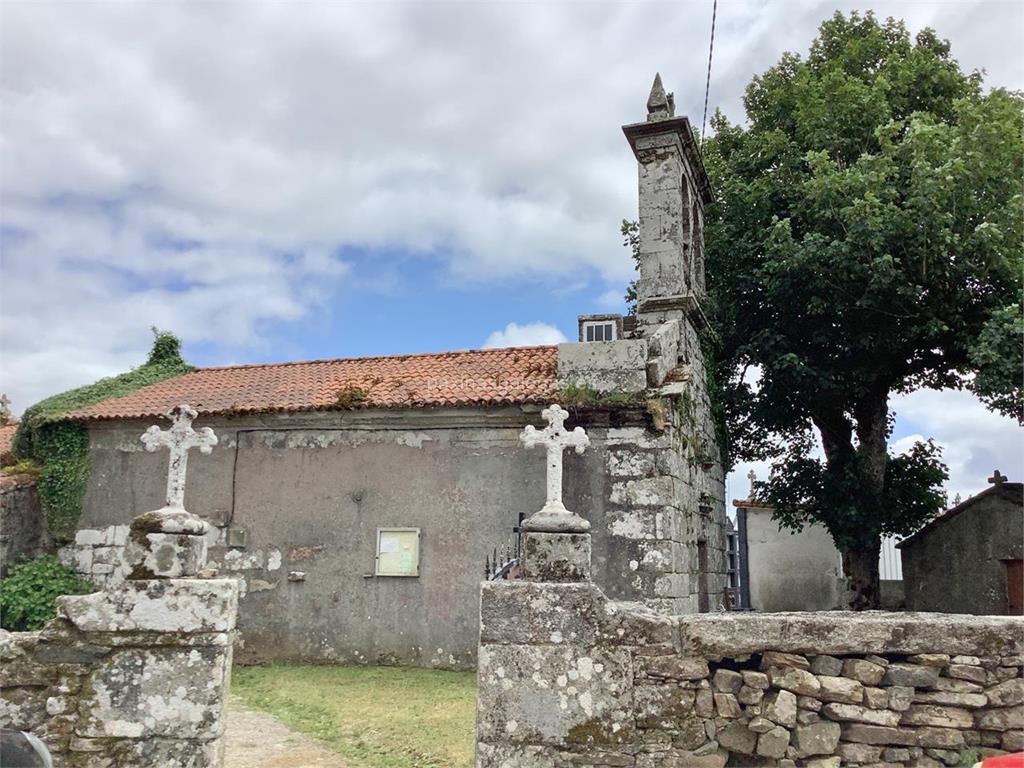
<point x="61" y="448"/>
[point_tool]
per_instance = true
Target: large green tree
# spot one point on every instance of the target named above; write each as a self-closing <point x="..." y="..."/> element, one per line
<point x="867" y="240"/>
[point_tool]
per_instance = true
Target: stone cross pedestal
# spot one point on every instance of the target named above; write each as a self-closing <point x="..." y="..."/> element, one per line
<point x="170" y="542"/>
<point x="556" y="542"/>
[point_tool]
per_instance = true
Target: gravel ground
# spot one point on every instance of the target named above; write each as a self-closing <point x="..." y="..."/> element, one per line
<point x="257" y="740"/>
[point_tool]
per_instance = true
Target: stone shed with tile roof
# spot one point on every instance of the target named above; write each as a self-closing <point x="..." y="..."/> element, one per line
<point x="970" y="559"/>
<point x="315" y="457"/>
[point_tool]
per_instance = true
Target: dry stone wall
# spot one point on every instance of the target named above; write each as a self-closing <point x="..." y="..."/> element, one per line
<point x="570" y="678"/>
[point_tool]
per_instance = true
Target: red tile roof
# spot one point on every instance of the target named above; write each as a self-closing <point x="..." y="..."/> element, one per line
<point x="7" y="438"/>
<point x="479" y="377"/>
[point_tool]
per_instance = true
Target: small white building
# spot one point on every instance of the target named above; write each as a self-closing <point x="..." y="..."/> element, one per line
<point x="783" y="570"/>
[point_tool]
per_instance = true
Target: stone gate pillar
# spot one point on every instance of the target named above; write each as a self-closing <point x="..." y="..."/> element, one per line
<point x="136" y="675"/>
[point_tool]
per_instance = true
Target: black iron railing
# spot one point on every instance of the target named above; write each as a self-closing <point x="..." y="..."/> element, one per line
<point x="502" y="562"/>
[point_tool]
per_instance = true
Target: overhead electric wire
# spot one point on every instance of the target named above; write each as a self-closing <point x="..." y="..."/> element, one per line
<point x="707" y="85"/>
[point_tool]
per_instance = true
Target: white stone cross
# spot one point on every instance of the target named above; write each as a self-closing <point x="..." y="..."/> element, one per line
<point x="556" y="439"/>
<point x="179" y="439"/>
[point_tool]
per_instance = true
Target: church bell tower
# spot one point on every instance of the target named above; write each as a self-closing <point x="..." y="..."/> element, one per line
<point x="674" y="189"/>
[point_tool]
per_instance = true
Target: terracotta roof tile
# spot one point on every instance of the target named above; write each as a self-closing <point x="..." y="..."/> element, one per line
<point x="7" y="438"/>
<point x="479" y="377"/>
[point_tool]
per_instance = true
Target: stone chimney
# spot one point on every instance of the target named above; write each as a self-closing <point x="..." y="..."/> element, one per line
<point x="674" y="189"/>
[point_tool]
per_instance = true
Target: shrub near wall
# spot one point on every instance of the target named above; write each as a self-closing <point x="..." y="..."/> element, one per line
<point x="570" y="678"/>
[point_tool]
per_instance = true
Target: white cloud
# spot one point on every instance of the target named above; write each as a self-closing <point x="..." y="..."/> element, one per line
<point x="526" y="335"/>
<point x="612" y="299"/>
<point x="199" y="165"/>
<point x="974" y="440"/>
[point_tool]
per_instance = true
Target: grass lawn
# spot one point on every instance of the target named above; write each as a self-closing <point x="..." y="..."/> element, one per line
<point x="376" y="717"/>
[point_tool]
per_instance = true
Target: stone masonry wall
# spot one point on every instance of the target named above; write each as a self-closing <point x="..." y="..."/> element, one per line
<point x="135" y="675"/>
<point x="569" y="678"/>
<point x="22" y="531"/>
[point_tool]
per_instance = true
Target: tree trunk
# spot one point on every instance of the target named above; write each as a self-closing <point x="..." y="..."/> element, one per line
<point x="870" y="456"/>
<point x="860" y="566"/>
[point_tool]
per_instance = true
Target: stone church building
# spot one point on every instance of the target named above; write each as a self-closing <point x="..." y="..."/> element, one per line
<point x="358" y="499"/>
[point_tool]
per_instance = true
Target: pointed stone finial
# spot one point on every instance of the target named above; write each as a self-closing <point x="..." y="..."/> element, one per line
<point x="660" y="105"/>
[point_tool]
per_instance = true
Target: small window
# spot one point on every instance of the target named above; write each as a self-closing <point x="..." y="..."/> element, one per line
<point x="599" y="331"/>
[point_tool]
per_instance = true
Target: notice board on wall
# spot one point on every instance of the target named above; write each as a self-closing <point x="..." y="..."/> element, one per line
<point x="398" y="552"/>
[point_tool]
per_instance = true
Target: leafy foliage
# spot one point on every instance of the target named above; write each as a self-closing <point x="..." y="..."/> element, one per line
<point x="998" y="356"/>
<point x="631" y="239"/>
<point x="27" y="467"/>
<point x="28" y="594"/>
<point x="866" y="240"/>
<point x="61" y="447"/>
<point x="575" y="394"/>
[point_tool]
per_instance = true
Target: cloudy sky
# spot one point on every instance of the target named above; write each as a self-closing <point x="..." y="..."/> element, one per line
<point x="280" y="181"/>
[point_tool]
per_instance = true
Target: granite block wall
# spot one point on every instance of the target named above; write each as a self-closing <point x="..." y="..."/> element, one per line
<point x="570" y="678"/>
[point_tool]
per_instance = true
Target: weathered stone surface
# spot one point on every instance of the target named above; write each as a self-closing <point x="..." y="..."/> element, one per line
<point x="171" y="605"/>
<point x="749" y="696"/>
<point x="760" y="725"/>
<point x="858" y="714"/>
<point x="757" y="680"/>
<point x="736" y="737"/>
<point x="1013" y="741"/>
<point x="876" y="698"/>
<point x="612" y="366"/>
<point x="863" y="671"/>
<point x="809" y="702"/>
<point x="556" y="557"/>
<point x="780" y="708"/>
<point x="727" y="706"/>
<point x="933" y="714"/>
<point x="941" y="738"/>
<point x="823" y="762"/>
<point x="778" y="659"/>
<point x="727" y="681"/>
<point x="1006" y="693"/>
<point x="900" y="697"/>
<point x="840" y="689"/>
<point x="1002" y="719"/>
<point x="816" y="739"/>
<point x="930" y="659"/>
<point x="969" y="672"/>
<point x="859" y="753"/>
<point x="850" y="633"/>
<point x="973" y="661"/>
<point x="896" y="754"/>
<point x="826" y="665"/>
<point x="672" y="667"/>
<point x="145" y="693"/>
<point x="773" y="743"/>
<point x="705" y="704"/>
<point x="794" y="679"/>
<point x="522" y="612"/>
<point x="957" y="686"/>
<point x="554" y="695"/>
<point x="911" y="675"/>
<point x="969" y="700"/>
<point x="878" y="734"/>
<point x="803" y="717"/>
<point x="662" y="706"/>
<point x="164" y="555"/>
